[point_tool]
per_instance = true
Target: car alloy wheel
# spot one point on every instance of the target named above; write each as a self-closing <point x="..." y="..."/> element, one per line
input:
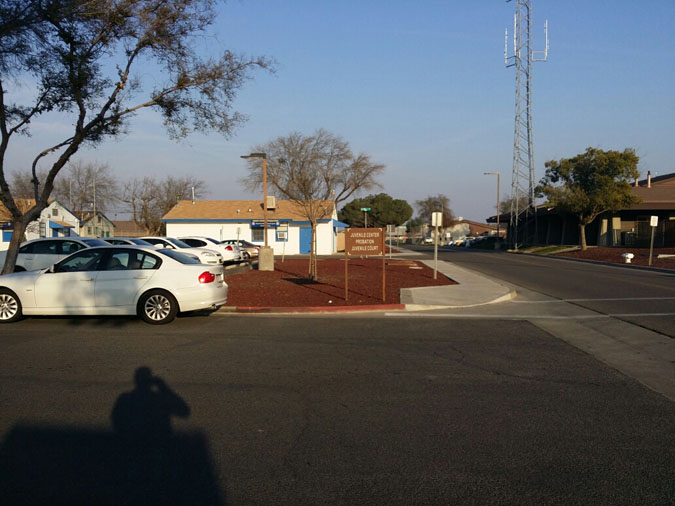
<point x="10" y="306"/>
<point x="157" y="307"/>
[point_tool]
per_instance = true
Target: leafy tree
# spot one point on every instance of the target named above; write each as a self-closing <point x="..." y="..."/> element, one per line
<point x="149" y="198"/>
<point x="384" y="211"/>
<point x="87" y="61"/>
<point x="439" y="203"/>
<point x="316" y="172"/>
<point x="590" y="184"/>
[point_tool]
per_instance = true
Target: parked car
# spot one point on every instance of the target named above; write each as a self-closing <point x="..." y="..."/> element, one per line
<point x="230" y="252"/>
<point x="206" y="256"/>
<point x="115" y="280"/>
<point x="248" y="247"/>
<point x="130" y="241"/>
<point x="41" y="253"/>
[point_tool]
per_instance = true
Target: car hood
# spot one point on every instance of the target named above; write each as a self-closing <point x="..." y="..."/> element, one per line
<point x="21" y="276"/>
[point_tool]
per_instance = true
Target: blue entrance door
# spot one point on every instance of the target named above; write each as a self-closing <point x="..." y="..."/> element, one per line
<point x="305" y="240"/>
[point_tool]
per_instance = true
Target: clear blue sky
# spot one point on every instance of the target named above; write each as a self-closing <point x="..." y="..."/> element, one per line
<point x="421" y="86"/>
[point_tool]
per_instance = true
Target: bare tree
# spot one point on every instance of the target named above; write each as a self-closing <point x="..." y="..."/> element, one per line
<point x="149" y="199"/>
<point x="87" y="187"/>
<point x="317" y="172"/>
<point x="81" y="58"/>
<point x="439" y="203"/>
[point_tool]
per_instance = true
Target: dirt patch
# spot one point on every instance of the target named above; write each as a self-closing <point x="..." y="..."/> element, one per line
<point x="288" y="286"/>
<point x="613" y="255"/>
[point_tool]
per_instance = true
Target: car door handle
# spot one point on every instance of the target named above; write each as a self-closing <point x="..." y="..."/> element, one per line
<point x="89" y="279"/>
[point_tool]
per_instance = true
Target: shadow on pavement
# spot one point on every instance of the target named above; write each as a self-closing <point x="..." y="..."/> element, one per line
<point x="141" y="463"/>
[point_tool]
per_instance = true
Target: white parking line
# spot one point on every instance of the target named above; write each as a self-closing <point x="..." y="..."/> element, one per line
<point x="618" y="299"/>
<point x="526" y="317"/>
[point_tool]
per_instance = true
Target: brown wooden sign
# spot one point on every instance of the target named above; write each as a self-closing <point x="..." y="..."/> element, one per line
<point x="364" y="241"/>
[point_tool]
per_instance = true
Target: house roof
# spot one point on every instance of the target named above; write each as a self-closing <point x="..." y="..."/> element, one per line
<point x="23" y="205"/>
<point x="85" y="216"/>
<point x="128" y="229"/>
<point x="243" y="210"/>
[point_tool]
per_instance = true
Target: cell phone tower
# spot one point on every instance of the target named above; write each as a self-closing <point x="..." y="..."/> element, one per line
<point x="523" y="180"/>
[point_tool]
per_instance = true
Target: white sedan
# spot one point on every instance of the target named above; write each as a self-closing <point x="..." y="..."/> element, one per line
<point x="115" y="280"/>
<point x="230" y="252"/>
<point x="206" y="256"/>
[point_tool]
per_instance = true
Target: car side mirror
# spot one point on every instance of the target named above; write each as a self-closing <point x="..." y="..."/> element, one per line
<point x="52" y="269"/>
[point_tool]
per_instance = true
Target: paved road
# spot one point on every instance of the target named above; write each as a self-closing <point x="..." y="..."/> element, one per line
<point x="642" y="297"/>
<point x="315" y="410"/>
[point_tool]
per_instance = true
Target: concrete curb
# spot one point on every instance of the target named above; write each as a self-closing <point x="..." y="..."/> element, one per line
<point x="313" y="309"/>
<point x="598" y="262"/>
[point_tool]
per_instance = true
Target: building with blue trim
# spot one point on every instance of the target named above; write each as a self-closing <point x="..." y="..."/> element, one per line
<point x="288" y="228"/>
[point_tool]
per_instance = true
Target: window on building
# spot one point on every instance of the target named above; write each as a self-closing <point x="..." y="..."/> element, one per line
<point x="89" y="230"/>
<point x="257" y="235"/>
<point x="55" y="211"/>
<point x="282" y="232"/>
<point x="43" y="229"/>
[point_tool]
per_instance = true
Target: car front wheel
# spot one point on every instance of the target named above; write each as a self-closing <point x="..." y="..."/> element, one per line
<point x="10" y="306"/>
<point x="157" y="307"/>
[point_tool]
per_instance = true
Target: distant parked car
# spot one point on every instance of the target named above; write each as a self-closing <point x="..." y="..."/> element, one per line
<point x="248" y="247"/>
<point x="41" y="253"/>
<point x="230" y="252"/>
<point x="115" y="280"/>
<point x="129" y="241"/>
<point x="206" y="256"/>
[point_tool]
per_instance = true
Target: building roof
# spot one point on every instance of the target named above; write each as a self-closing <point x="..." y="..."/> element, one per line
<point x="23" y="205"/>
<point x="242" y="210"/>
<point x="128" y="229"/>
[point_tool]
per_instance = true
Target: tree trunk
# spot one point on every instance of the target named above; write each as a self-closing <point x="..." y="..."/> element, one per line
<point x="582" y="236"/>
<point x="312" y="252"/>
<point x="18" y="230"/>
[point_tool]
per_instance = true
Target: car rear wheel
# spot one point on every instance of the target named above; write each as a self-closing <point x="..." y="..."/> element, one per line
<point x="157" y="307"/>
<point x="10" y="306"/>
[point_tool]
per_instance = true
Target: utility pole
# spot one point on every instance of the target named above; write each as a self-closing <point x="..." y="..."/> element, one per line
<point x="523" y="178"/>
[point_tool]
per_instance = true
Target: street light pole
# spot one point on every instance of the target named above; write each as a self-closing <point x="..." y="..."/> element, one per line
<point x="262" y="257"/>
<point x="496" y="173"/>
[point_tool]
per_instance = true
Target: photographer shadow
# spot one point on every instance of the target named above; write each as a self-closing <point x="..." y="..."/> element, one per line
<point x="142" y="462"/>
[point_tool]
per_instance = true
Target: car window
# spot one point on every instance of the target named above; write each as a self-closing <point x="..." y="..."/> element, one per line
<point x="45" y="248"/>
<point x="85" y="260"/>
<point x="156" y="241"/>
<point x="28" y="248"/>
<point x="177" y="243"/>
<point x="194" y="242"/>
<point x="68" y="247"/>
<point x="129" y="259"/>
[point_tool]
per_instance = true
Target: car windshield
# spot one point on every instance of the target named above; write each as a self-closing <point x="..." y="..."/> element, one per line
<point x="94" y="242"/>
<point x="177" y="243"/>
<point x="180" y="257"/>
<point x="212" y="240"/>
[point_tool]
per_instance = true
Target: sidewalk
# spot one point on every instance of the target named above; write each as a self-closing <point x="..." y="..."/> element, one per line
<point x="472" y="289"/>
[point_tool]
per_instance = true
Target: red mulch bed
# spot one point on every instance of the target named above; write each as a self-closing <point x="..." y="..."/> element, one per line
<point x="288" y="286"/>
<point x="613" y="255"/>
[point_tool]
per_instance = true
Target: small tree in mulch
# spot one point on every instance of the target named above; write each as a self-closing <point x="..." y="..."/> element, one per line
<point x="317" y="172"/>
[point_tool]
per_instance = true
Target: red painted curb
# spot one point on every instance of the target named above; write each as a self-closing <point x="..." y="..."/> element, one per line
<point x="318" y="309"/>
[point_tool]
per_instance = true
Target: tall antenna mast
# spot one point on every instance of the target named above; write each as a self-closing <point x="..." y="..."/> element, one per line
<point x="523" y="180"/>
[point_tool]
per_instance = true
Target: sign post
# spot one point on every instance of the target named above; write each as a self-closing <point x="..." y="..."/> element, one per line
<point x="654" y="222"/>
<point x="436" y="221"/>
<point x="365" y="216"/>
<point x="365" y="242"/>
